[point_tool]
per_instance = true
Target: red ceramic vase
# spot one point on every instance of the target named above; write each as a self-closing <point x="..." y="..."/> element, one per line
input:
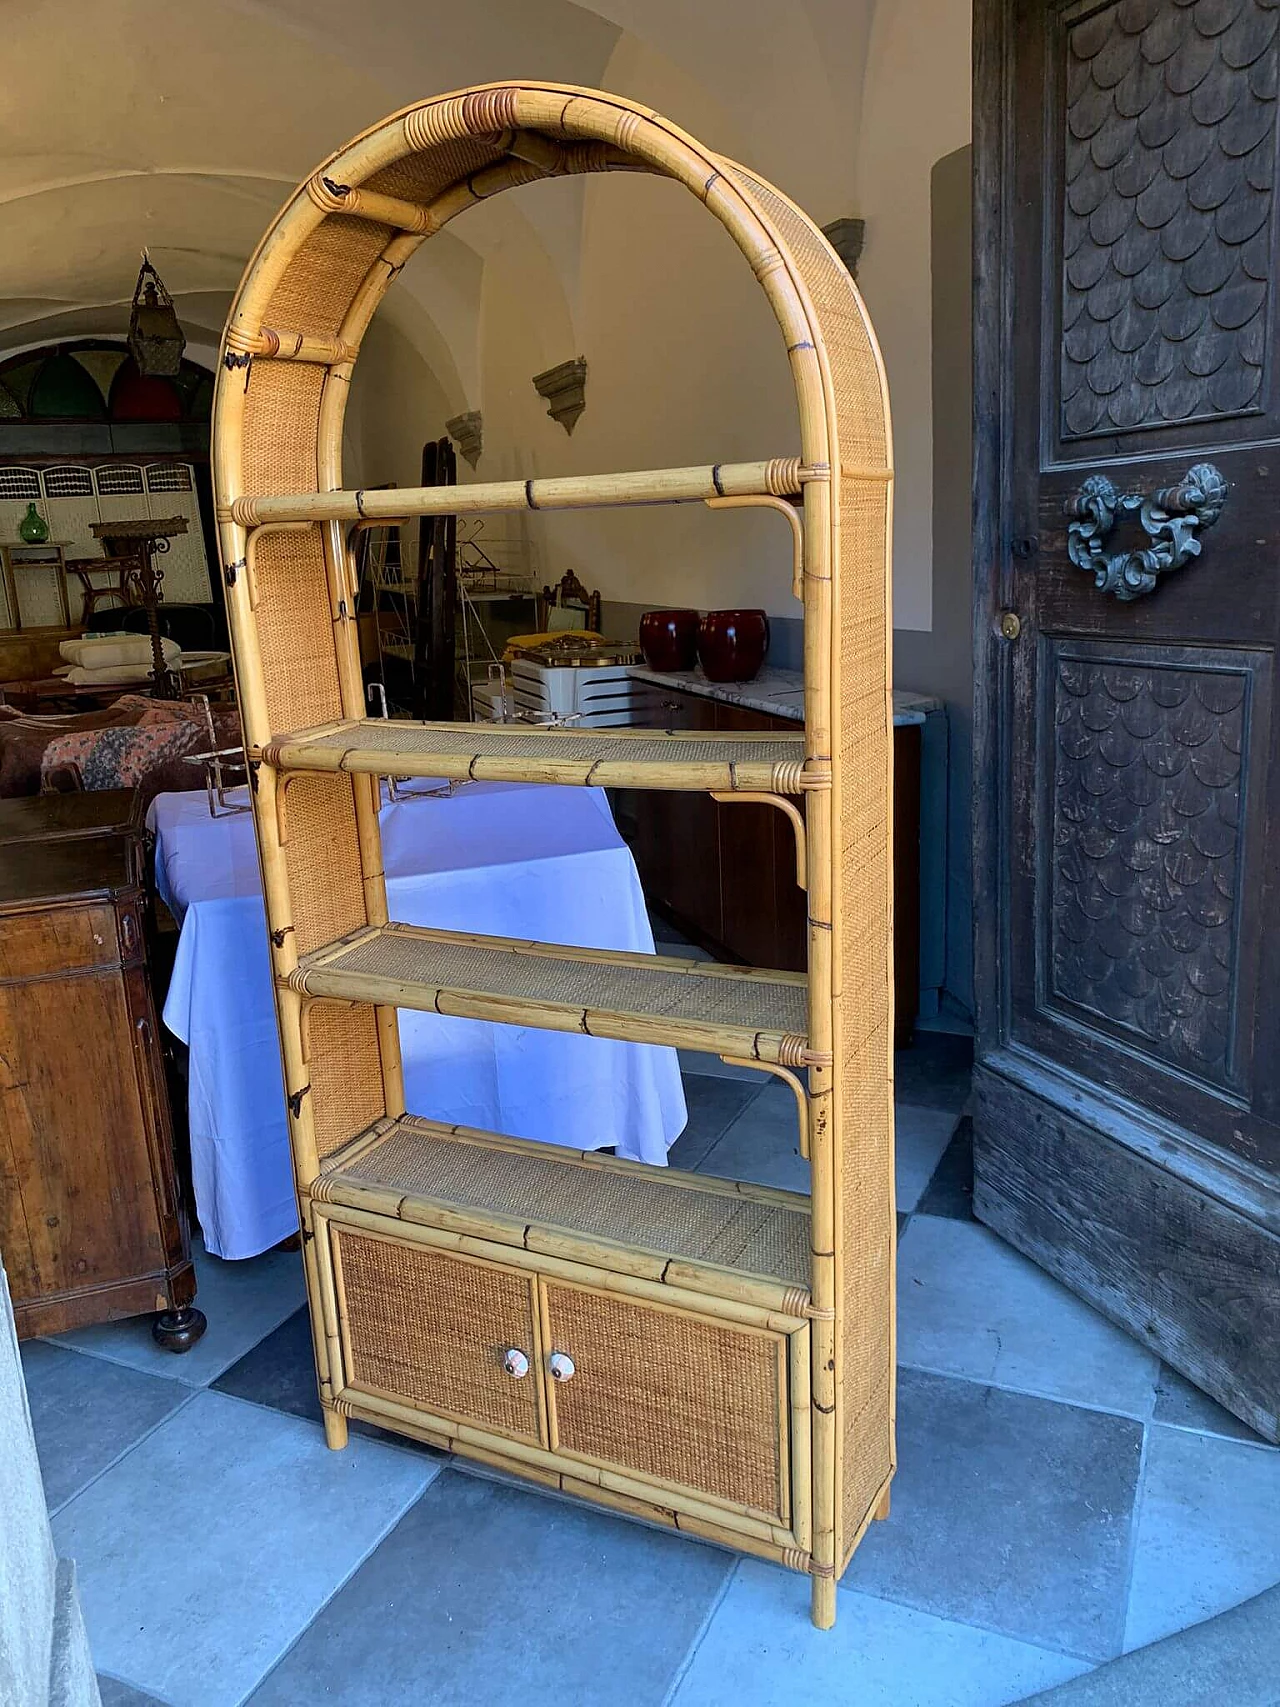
<point x="732" y="644"/>
<point x="669" y="639"/>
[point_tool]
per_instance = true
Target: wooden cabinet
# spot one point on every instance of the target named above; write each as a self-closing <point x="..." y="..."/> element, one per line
<point x="724" y="874"/>
<point x="672" y="1399"/>
<point x="90" y="1224"/>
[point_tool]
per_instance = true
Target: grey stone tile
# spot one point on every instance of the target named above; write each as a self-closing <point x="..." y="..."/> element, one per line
<point x="713" y="1104"/>
<point x="1182" y="1405"/>
<point x="763" y="1144"/>
<point x="761" y="1649"/>
<point x="488" y="1594"/>
<point x="280" y="1372"/>
<point x="920" y="1139"/>
<point x="1009" y="1512"/>
<point x="242" y="1300"/>
<point x="204" y="1554"/>
<point x="711" y="1066"/>
<point x="950" y="1192"/>
<point x="1208" y="1531"/>
<point x="114" y="1693"/>
<point x="934" y="1072"/>
<point x="85" y="1413"/>
<point x="1231" y="1660"/>
<point x="968" y="1304"/>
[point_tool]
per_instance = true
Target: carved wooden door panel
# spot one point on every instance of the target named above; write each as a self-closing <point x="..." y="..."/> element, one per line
<point x="1127" y="495"/>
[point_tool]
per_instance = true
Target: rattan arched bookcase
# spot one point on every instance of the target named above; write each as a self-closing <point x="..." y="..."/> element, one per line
<point x="714" y="1357"/>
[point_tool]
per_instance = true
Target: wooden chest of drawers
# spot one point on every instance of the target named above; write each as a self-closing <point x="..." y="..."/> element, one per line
<point x="90" y="1224"/>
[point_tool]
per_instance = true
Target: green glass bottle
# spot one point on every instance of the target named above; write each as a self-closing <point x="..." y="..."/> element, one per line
<point x="33" y="529"/>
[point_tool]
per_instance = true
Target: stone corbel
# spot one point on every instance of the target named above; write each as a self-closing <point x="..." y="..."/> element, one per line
<point x="846" y="237"/>
<point x="467" y="432"/>
<point x="564" y="388"/>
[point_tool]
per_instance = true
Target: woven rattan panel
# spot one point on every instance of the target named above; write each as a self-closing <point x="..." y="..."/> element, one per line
<point x="478" y="741"/>
<point x="432" y="1329"/>
<point x="321" y="281"/>
<point x="864" y="758"/>
<point x="421" y="177"/>
<point x="420" y="1160"/>
<point x="323" y="856"/>
<point x="665" y="1394"/>
<point x="404" y="954"/>
<point x="345" y="1074"/>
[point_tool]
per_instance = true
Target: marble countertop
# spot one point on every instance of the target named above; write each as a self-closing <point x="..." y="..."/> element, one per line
<point x="778" y="692"/>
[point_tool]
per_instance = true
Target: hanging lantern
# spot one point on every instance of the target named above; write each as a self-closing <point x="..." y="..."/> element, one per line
<point x="155" y="337"/>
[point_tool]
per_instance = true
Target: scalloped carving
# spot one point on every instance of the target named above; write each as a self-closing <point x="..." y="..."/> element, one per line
<point x="1147" y="848"/>
<point x="1168" y="161"/>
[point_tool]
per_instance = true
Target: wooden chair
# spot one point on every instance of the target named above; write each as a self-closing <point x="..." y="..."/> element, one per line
<point x="121" y="589"/>
<point x="569" y="595"/>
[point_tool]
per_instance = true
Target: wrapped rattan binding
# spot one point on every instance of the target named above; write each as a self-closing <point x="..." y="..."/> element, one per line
<point x="293" y="338"/>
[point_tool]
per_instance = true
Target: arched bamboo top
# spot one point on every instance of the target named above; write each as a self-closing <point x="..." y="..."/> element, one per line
<point x="316" y="279"/>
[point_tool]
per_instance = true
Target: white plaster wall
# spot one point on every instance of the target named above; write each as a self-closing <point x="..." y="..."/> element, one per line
<point x="184" y="128"/>
<point x="916" y="108"/>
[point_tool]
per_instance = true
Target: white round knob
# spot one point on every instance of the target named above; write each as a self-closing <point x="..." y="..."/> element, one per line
<point x="515" y="1362"/>
<point x="561" y="1366"/>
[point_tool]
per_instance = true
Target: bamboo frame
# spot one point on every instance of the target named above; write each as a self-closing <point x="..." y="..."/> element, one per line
<point x="702" y="484"/>
<point x="325" y="974"/>
<point x="293" y="337"/>
<point x="598" y="758"/>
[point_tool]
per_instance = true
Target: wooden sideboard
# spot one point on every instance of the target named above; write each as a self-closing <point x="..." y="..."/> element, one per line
<point x="724" y="875"/>
<point x="90" y="1223"/>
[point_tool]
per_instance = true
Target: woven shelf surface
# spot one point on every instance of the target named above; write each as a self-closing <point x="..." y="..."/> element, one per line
<point x="712" y="1222"/>
<point x="503" y="753"/>
<point x="636" y="997"/>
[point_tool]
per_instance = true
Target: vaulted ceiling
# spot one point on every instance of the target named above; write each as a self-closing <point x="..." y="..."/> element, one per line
<point x="183" y="128"/>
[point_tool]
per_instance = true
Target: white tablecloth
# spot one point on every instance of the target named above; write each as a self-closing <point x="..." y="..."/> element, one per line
<point x="499" y="858"/>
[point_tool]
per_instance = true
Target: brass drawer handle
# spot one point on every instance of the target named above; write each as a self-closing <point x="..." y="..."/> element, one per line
<point x="515" y="1362"/>
<point x="562" y="1366"/>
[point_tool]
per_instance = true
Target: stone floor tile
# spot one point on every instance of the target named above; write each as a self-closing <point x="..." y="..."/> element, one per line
<point x="762" y="1144"/>
<point x="1182" y="1405"/>
<point x="920" y="1140"/>
<point x="712" y="1067"/>
<point x="950" y="1192"/>
<point x="207" y="1551"/>
<point x="242" y="1300"/>
<point x="280" y="1373"/>
<point x="85" y="1413"/>
<point x="117" y="1694"/>
<point x="1208" y="1531"/>
<point x="968" y="1304"/>
<point x="760" y="1650"/>
<point x="934" y="1071"/>
<point x="713" y="1105"/>
<point x="490" y="1595"/>
<point x="1009" y="1512"/>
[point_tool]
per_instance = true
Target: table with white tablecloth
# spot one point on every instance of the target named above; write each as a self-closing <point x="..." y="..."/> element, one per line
<point x="503" y="859"/>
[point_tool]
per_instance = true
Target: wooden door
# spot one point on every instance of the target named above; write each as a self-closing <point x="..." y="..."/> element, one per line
<point x="1127" y="551"/>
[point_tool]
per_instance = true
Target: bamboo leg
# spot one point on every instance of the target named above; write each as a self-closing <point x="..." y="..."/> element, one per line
<point x="335" y="1429"/>
<point x="882" y="1510"/>
<point x="822" y="1603"/>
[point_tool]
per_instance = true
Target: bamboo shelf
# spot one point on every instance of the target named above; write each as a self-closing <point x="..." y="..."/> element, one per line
<point x="639" y="998"/>
<point x="721" y="1237"/>
<point x="714" y="1357"/>
<point x="604" y="758"/>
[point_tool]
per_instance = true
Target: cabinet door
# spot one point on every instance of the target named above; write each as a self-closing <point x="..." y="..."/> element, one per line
<point x="681" y="1400"/>
<point x="433" y="1330"/>
<point x="77" y="1199"/>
